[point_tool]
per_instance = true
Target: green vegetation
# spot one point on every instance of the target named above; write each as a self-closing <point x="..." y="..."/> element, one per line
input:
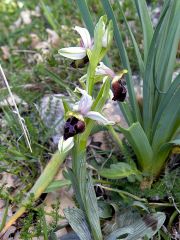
<point x="125" y="181"/>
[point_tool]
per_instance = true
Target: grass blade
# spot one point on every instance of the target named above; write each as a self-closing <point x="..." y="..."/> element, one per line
<point x="136" y="48"/>
<point x="124" y="59"/>
<point x="169" y="39"/>
<point x="86" y="16"/>
<point x="48" y="15"/>
<point x="146" y="23"/>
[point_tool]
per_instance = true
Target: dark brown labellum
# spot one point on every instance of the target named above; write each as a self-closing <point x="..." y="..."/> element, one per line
<point x="80" y="63"/>
<point x="72" y="127"/>
<point x="119" y="91"/>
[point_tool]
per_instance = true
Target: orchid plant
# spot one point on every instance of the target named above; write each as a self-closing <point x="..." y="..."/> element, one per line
<point x="154" y="124"/>
<point x="80" y="120"/>
<point x="145" y="134"/>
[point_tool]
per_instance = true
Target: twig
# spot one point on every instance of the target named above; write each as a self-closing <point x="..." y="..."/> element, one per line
<point x="24" y="128"/>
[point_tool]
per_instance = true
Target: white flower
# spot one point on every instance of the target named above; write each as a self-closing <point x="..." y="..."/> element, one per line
<point x="84" y="105"/>
<point x="65" y="145"/>
<point x="77" y="53"/>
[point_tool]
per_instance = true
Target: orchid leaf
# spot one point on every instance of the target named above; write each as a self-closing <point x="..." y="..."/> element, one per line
<point x="168" y="122"/>
<point x="140" y="144"/>
<point x="146" y="23"/>
<point x="146" y="226"/>
<point x="91" y="207"/>
<point x="118" y="170"/>
<point x="57" y="184"/>
<point x="135" y="45"/>
<point x="77" y="220"/>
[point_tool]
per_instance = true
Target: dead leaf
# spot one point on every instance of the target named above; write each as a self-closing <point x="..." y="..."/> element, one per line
<point x="22" y="40"/>
<point x="34" y="40"/>
<point x="36" y="12"/>
<point x="6" y="53"/>
<point x="26" y="16"/>
<point x="10" y="230"/>
<point x="9" y="102"/>
<point x="53" y="38"/>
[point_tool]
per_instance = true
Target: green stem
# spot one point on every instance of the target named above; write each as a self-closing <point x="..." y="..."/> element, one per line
<point x="102" y="181"/>
<point x="121" y="192"/>
<point x="173" y="216"/>
<point x="116" y="138"/>
<point x="39" y="187"/>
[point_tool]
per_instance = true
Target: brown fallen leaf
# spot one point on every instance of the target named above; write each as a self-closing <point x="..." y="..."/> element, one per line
<point x="5" y="51"/>
<point x="26" y="17"/>
<point x="53" y="38"/>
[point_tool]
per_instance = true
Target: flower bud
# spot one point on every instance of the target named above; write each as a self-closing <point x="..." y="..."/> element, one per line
<point x="72" y="127"/>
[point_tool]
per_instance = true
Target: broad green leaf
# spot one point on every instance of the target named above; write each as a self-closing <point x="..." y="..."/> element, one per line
<point x="57" y="184"/>
<point x="149" y="103"/>
<point x="146" y="23"/>
<point x="146" y="226"/>
<point x="127" y="112"/>
<point x="135" y="45"/>
<point x="118" y="170"/>
<point x="168" y="122"/>
<point x="161" y="155"/>
<point x="140" y="144"/>
<point x="75" y="185"/>
<point x="104" y="209"/>
<point x="77" y="221"/>
<point x="169" y="39"/>
<point x="91" y="208"/>
<point x="124" y="59"/>
<point x="165" y="101"/>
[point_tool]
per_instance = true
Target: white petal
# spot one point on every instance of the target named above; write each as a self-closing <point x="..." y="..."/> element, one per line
<point x="105" y="39"/>
<point x="74" y="53"/>
<point x="65" y="145"/>
<point x="102" y="69"/>
<point x="85" y="103"/>
<point x="99" y="117"/>
<point x="85" y="36"/>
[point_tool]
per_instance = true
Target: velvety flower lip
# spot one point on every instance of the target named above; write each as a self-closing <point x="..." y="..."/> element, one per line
<point x="119" y="91"/>
<point x="72" y="127"/>
<point x="77" y="53"/>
